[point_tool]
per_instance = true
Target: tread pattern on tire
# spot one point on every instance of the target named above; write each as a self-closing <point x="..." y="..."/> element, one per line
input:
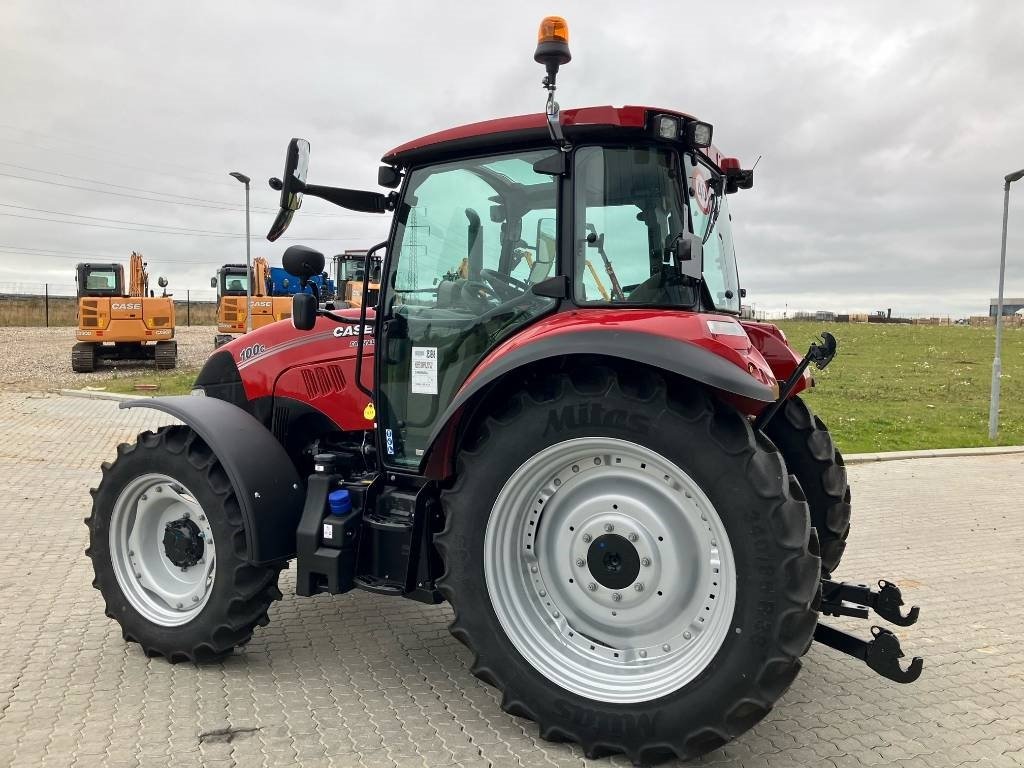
<point x="254" y="588"/>
<point x="811" y="455"/>
<point x="792" y="631"/>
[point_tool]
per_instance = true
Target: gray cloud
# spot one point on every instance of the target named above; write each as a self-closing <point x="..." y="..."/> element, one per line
<point x="885" y="129"/>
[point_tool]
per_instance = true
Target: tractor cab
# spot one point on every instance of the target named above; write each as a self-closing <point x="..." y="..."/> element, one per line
<point x="100" y="280"/>
<point x="617" y="211"/>
<point x="350" y="271"/>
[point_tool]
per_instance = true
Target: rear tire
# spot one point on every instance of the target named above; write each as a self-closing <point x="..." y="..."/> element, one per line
<point x="83" y="357"/>
<point x="166" y="354"/>
<point x="526" y="469"/>
<point x="806" y="445"/>
<point x="197" y="609"/>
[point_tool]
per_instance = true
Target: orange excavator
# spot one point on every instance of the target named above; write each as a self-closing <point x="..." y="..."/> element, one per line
<point x="232" y="282"/>
<point x="115" y="324"/>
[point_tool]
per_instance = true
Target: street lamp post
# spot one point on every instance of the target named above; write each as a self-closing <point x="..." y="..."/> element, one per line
<point x="997" y="363"/>
<point x="248" y="259"/>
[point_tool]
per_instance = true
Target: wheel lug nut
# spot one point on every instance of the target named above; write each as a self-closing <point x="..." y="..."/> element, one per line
<point x="159" y="489"/>
<point x="143" y="497"/>
<point x="533" y="569"/>
<point x="639" y="587"/>
<point x="609" y="527"/>
<point x="687" y="635"/>
<point x="587" y="537"/>
<point x="643" y="654"/>
<point x="616" y="596"/>
<point x="666" y="647"/>
<point x="592" y="587"/>
<point x="645" y="562"/>
<point x="633" y="537"/>
<point x="556" y="615"/>
<point x="542" y="593"/>
<point x="180" y="606"/>
<point x="580" y="562"/>
<point x="195" y="598"/>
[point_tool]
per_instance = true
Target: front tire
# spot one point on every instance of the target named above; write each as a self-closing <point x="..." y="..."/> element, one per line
<point x="167" y="545"/>
<point x="806" y="445"/>
<point x="713" y="529"/>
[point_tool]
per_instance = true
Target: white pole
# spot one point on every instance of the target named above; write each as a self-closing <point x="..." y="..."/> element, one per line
<point x="249" y="271"/>
<point x="997" y="364"/>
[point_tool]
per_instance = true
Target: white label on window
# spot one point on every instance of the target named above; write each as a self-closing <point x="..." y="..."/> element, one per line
<point x="423" y="377"/>
<point x="328" y="531"/>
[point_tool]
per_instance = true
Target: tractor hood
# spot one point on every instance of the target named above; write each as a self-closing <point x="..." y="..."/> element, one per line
<point x="315" y="367"/>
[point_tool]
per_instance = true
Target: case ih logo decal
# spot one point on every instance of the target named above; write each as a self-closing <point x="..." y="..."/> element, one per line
<point x="250" y="352"/>
<point x="126" y="307"/>
<point x="352" y="330"/>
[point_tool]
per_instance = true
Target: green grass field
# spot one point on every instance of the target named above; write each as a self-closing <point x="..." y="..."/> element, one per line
<point x="890" y="388"/>
<point x="903" y="387"/>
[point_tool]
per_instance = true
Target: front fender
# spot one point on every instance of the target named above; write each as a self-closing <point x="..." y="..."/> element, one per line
<point x="270" y="492"/>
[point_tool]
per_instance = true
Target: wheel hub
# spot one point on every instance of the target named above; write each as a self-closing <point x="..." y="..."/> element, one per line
<point x="183" y="542"/>
<point x="613" y="561"/>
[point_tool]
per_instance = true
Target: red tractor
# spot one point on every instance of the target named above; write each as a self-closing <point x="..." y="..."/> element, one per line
<point x="607" y="473"/>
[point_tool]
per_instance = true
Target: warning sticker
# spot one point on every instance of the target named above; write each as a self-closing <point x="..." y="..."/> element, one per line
<point x="328" y="531"/>
<point x="423" y="376"/>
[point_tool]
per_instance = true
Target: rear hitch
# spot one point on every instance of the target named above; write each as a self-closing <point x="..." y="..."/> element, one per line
<point x="883" y="652"/>
<point x="819" y="353"/>
<point x="841" y="598"/>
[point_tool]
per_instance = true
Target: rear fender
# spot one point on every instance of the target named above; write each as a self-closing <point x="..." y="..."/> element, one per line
<point x="270" y="492"/>
<point x="659" y="352"/>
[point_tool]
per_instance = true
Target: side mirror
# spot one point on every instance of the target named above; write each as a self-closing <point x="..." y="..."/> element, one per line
<point x="303" y="262"/>
<point x="291" y="185"/>
<point x="304" y="306"/>
<point x="213" y="282"/>
<point x="689" y="253"/>
<point x="388" y="176"/>
<point x="162" y="281"/>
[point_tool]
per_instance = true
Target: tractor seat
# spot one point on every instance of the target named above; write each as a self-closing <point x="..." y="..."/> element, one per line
<point x="449" y="294"/>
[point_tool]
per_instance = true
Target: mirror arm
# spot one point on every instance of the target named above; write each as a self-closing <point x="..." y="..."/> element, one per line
<point x="353" y="199"/>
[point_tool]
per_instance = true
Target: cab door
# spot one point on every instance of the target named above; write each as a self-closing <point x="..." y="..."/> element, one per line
<point x="471" y="238"/>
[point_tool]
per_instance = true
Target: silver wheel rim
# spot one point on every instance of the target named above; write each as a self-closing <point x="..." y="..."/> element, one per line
<point x="613" y="644"/>
<point x="164" y="593"/>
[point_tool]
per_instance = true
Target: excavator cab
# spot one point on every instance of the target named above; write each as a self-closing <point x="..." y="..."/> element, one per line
<point x="100" y="280"/>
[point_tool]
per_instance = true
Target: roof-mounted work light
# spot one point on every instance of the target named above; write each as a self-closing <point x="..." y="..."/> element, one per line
<point x="698" y="135"/>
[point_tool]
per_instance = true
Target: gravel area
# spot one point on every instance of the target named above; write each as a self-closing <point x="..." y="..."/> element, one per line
<point x="39" y="359"/>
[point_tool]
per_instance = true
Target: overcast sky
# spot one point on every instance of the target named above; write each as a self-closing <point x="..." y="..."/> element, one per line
<point x="884" y="128"/>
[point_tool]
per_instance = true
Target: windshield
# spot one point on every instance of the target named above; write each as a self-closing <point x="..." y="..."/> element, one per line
<point x="630" y="214"/>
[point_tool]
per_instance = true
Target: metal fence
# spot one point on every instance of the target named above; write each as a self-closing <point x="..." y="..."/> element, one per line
<point x="46" y="304"/>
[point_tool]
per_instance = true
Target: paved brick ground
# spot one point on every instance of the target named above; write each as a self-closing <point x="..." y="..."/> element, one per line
<point x="358" y="681"/>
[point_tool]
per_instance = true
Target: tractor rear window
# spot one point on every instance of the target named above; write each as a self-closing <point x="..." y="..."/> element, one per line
<point x="235" y="284"/>
<point x="629" y="215"/>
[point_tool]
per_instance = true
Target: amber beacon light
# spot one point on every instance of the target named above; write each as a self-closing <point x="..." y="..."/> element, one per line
<point x="553" y="43"/>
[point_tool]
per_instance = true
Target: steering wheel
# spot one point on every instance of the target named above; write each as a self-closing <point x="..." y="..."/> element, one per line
<point x="504" y="286"/>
